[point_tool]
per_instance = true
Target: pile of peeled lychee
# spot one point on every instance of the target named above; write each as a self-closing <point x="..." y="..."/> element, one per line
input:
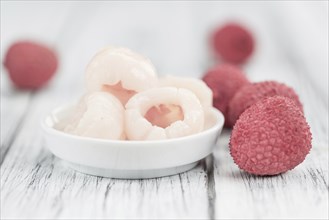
<point x="270" y="134"/>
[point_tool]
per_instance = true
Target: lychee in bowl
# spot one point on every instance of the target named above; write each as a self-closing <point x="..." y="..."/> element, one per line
<point x="127" y="159"/>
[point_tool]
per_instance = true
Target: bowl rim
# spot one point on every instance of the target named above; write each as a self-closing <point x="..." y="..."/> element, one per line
<point x="220" y="120"/>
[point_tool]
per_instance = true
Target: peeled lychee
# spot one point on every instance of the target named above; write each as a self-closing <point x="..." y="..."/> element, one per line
<point x="250" y="94"/>
<point x="97" y="115"/>
<point x="30" y="65"/>
<point x="224" y="81"/>
<point x="121" y="72"/>
<point x="233" y="43"/>
<point x="270" y="137"/>
<point x="197" y="86"/>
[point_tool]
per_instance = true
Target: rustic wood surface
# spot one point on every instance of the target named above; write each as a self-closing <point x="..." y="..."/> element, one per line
<point x="292" y="47"/>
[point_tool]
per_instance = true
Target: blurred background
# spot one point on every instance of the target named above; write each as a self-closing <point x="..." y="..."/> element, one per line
<point x="291" y="39"/>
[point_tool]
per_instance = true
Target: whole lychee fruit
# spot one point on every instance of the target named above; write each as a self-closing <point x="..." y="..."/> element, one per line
<point x="30" y="65"/>
<point x="254" y="92"/>
<point x="270" y="137"/>
<point x="233" y="43"/>
<point x="224" y="80"/>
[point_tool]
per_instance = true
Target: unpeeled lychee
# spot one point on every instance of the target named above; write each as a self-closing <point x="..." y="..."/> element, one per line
<point x="233" y="43"/>
<point x="224" y="81"/>
<point x="30" y="65"/>
<point x="270" y="137"/>
<point x="251" y="93"/>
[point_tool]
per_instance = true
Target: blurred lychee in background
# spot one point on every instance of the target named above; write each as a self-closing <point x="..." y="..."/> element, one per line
<point x="30" y="65"/>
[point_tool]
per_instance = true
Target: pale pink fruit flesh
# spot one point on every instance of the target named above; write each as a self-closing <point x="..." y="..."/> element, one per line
<point x="118" y="91"/>
<point x="164" y="115"/>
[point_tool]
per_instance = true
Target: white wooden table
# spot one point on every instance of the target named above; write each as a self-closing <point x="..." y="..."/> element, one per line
<point x="292" y="47"/>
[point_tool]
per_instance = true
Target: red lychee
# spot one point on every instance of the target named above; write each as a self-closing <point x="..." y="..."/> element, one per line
<point x="30" y="65"/>
<point x="270" y="137"/>
<point x="251" y="93"/>
<point x="233" y="43"/>
<point x="224" y="81"/>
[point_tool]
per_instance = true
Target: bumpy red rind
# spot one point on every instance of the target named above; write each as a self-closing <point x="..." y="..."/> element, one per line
<point x="254" y="92"/>
<point x="233" y="43"/>
<point x="224" y="81"/>
<point x="270" y="137"/>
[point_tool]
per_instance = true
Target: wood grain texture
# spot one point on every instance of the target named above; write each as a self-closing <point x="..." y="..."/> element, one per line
<point x="301" y="193"/>
<point x="41" y="186"/>
<point x="12" y="118"/>
<point x="37" y="185"/>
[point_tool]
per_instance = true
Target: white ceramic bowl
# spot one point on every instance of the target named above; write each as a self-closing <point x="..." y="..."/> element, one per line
<point x="130" y="159"/>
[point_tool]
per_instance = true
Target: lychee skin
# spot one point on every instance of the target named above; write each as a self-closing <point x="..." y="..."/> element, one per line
<point x="30" y="65"/>
<point x="270" y="137"/>
<point x="224" y="81"/>
<point x="254" y="92"/>
<point x="233" y="43"/>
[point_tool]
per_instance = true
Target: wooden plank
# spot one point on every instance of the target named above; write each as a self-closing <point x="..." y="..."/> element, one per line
<point x="305" y="59"/>
<point x="14" y="107"/>
<point x="15" y="103"/>
<point x="300" y="193"/>
<point x="39" y="185"/>
<point x="35" y="184"/>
